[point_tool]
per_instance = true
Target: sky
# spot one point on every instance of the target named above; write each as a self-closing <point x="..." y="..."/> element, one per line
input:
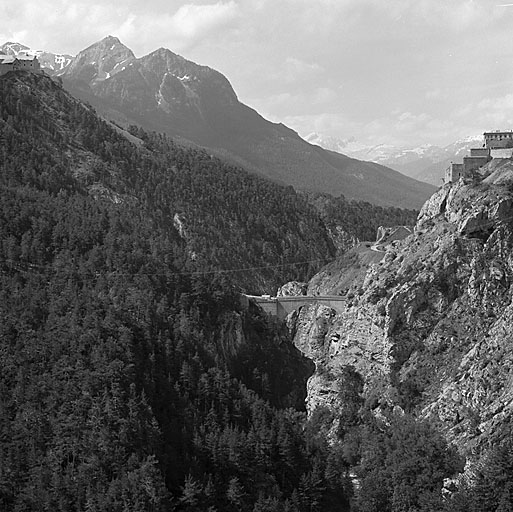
<point x="399" y="72"/>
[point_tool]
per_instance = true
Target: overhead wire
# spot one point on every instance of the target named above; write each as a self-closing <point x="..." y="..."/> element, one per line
<point x="182" y="273"/>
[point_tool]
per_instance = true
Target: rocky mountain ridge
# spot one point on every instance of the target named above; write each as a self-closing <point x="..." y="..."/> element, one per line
<point x="196" y="105"/>
<point x="429" y="326"/>
<point x="51" y="62"/>
<point x="99" y="62"/>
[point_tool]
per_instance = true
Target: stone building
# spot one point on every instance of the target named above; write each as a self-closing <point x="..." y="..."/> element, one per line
<point x="498" y="139"/>
<point x="7" y="63"/>
<point x="453" y="173"/>
<point x="12" y="63"/>
<point x="496" y="145"/>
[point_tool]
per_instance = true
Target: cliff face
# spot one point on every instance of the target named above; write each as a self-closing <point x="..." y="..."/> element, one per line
<point x="429" y="327"/>
<point x="270" y="365"/>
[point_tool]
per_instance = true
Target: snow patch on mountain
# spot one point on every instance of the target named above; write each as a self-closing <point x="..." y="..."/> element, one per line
<point x="48" y="60"/>
<point x="426" y="162"/>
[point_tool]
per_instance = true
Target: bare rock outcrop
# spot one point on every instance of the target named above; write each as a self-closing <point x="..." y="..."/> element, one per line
<point x="430" y="326"/>
<point x="387" y="235"/>
<point x="342" y="240"/>
<point x="292" y="289"/>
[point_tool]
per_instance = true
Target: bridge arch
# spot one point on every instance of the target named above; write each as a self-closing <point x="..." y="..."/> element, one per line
<point x="283" y="306"/>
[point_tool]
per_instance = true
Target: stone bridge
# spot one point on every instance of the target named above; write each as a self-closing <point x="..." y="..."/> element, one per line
<point x="282" y="306"/>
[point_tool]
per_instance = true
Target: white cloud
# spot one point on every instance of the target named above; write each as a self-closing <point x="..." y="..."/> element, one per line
<point x="296" y="67"/>
<point x="188" y="26"/>
<point x="303" y="103"/>
<point x="324" y="96"/>
<point x="497" y="104"/>
<point x="192" y="21"/>
<point x="496" y="112"/>
<point x="61" y="26"/>
<point x="67" y="26"/>
<point x="288" y="58"/>
<point x="434" y="94"/>
<point x="408" y="122"/>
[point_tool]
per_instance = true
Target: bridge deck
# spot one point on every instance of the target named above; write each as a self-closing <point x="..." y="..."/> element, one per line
<point x="282" y="306"/>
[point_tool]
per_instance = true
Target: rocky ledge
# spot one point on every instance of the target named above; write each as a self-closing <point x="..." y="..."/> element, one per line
<point x="429" y="327"/>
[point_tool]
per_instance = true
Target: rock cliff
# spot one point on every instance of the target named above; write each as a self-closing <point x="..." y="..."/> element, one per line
<point x="292" y="289"/>
<point x="429" y="326"/>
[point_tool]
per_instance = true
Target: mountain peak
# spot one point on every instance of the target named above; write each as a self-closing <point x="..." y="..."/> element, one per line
<point x="12" y="48"/>
<point x="111" y="38"/>
<point x="169" y="56"/>
<point x="165" y="92"/>
<point x="164" y="51"/>
<point x="101" y="60"/>
<point x="109" y="44"/>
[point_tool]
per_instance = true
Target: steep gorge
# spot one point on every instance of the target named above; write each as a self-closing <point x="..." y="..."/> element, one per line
<point x="108" y="319"/>
<point x="429" y="327"/>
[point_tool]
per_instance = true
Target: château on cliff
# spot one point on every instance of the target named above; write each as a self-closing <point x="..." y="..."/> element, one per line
<point x="497" y="144"/>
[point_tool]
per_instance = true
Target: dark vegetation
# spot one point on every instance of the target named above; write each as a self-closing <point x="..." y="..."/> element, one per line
<point x="129" y="382"/>
<point x="232" y="220"/>
<point x="360" y="219"/>
<point x="492" y="487"/>
<point x="395" y="462"/>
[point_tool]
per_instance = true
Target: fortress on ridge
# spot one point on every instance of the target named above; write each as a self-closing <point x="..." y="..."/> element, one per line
<point x="497" y="144"/>
<point x="20" y="61"/>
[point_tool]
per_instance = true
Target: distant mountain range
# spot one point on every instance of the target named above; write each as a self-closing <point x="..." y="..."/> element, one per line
<point x="195" y="104"/>
<point x="425" y="163"/>
<point x="50" y="61"/>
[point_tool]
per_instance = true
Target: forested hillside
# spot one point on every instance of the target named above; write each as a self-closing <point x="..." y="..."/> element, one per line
<point x="228" y="218"/>
<point x="132" y="377"/>
<point x="128" y="383"/>
<point x="358" y="219"/>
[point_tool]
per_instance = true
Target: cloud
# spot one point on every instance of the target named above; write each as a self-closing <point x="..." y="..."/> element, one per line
<point x="188" y="26"/>
<point x="365" y="68"/>
<point x="325" y="123"/>
<point x="408" y="122"/>
<point x="193" y="21"/>
<point x="61" y="26"/>
<point x="303" y="103"/>
<point x="295" y="68"/>
<point x="404" y="129"/>
<point x="496" y="112"/>
<point x="67" y="26"/>
<point x="497" y="104"/>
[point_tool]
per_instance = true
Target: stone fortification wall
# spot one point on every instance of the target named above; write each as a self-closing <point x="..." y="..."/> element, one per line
<point x="472" y="163"/>
<point x="480" y="152"/>
<point x="501" y="153"/>
<point x="454" y="173"/>
<point x="5" y="68"/>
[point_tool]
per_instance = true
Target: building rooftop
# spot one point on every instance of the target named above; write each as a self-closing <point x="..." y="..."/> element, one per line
<point x="7" y="59"/>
